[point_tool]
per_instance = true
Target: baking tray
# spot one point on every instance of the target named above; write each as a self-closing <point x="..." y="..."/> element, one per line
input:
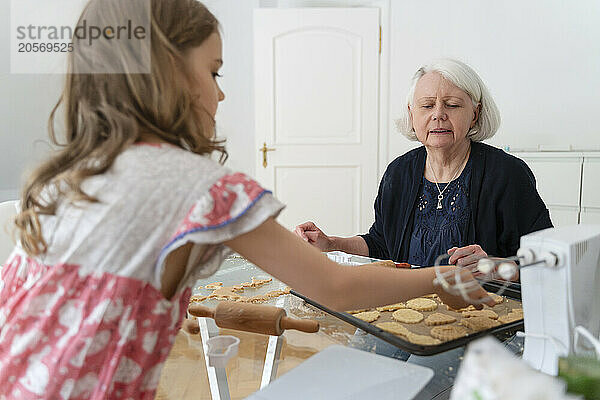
<point x="502" y="332"/>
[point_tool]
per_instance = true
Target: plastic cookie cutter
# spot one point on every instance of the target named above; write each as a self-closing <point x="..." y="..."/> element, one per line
<point x="221" y="349"/>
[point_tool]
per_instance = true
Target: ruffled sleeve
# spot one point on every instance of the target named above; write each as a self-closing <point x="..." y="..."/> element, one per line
<point x="233" y="205"/>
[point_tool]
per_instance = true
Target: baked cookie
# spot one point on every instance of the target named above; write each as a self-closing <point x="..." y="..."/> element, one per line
<point x="391" y="307"/>
<point x="439" y="319"/>
<point x="423" y="340"/>
<point x="448" y="332"/>
<point x="393" y="327"/>
<point x="407" y="316"/>
<point x="421" y="304"/>
<point x="479" y="323"/>
<point x="368" y="316"/>
<point x="431" y="296"/>
<point x="480" y="313"/>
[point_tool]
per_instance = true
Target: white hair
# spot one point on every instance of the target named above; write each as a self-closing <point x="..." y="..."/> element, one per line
<point x="466" y="79"/>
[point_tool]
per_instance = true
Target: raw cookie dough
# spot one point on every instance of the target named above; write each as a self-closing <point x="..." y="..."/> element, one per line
<point x="215" y="285"/>
<point x="469" y="308"/>
<point x="226" y="293"/>
<point x="497" y="299"/>
<point x="480" y="313"/>
<point x="368" y="316"/>
<point x="407" y="316"/>
<point x="448" y="332"/>
<point x="198" y="299"/>
<point x="229" y="293"/>
<point x="479" y="323"/>
<point x="255" y="282"/>
<point x="512" y="316"/>
<point x="393" y="327"/>
<point x="516" y="311"/>
<point x="384" y="263"/>
<point x="391" y="307"/>
<point x="358" y="311"/>
<point x="264" y="297"/>
<point x="439" y="319"/>
<point x="423" y="340"/>
<point x="421" y="304"/>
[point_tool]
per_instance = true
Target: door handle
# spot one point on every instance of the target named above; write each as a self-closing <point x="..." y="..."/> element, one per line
<point x="264" y="150"/>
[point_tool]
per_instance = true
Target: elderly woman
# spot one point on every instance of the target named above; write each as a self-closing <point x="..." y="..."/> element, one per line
<point x="454" y="194"/>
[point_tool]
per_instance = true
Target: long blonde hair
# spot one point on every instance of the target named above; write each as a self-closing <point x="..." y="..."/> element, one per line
<point x="106" y="112"/>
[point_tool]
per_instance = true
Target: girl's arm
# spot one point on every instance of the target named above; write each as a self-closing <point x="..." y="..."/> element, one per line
<point x="290" y="259"/>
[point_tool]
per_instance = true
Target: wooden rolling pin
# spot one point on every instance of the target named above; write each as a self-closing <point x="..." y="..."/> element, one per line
<point x="190" y="325"/>
<point x="257" y="318"/>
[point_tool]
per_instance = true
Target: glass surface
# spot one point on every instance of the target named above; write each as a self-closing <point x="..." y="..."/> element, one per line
<point x="185" y="374"/>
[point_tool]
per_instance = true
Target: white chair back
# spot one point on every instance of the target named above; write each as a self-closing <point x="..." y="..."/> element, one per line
<point x="8" y="210"/>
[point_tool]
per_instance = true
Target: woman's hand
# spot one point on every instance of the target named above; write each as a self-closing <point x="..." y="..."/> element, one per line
<point x="475" y="294"/>
<point x="313" y="235"/>
<point x="467" y="256"/>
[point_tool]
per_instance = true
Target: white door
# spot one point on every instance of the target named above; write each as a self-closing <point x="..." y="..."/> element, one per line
<point x="316" y="88"/>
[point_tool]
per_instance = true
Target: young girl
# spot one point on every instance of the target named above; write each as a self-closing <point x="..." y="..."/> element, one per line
<point x="116" y="228"/>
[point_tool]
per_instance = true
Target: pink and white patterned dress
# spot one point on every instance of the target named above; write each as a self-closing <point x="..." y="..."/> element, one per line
<point x="87" y="319"/>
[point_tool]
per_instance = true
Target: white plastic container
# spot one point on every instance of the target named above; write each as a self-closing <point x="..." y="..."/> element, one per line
<point x="221" y="349"/>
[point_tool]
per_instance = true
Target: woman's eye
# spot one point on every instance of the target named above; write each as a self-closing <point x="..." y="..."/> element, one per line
<point x="453" y="105"/>
<point x="426" y="106"/>
<point x="217" y="75"/>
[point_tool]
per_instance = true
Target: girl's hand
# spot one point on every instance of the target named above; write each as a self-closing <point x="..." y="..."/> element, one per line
<point x="310" y="233"/>
<point x="476" y="294"/>
<point x="467" y="256"/>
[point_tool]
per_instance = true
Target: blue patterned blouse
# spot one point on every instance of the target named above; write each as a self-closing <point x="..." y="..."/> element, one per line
<point x="435" y="231"/>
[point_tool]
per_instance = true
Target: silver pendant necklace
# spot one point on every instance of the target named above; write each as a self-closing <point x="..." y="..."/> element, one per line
<point x="440" y="196"/>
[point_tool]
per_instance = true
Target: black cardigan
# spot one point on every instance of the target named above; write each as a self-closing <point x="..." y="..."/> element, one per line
<point x="505" y="204"/>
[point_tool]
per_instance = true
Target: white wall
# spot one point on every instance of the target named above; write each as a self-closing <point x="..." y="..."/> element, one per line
<point x="26" y="100"/>
<point x="235" y="117"/>
<point x="540" y="59"/>
<point x="25" y="103"/>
